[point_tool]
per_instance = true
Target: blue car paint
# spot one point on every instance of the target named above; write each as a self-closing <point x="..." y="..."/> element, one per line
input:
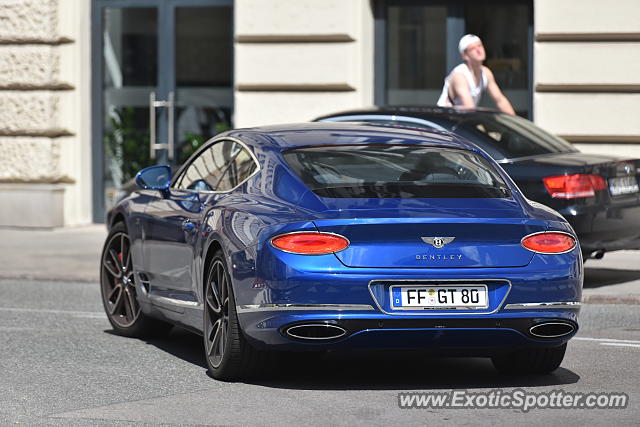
<point x="275" y="201"/>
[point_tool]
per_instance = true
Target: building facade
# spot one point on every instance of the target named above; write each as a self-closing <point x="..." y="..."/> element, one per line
<point x="93" y="90"/>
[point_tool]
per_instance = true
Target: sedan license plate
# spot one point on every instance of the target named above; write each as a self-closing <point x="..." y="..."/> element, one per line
<point x="430" y="297"/>
<point x="623" y="185"/>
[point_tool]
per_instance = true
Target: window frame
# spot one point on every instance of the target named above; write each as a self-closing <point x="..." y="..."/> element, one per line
<point x="370" y="118"/>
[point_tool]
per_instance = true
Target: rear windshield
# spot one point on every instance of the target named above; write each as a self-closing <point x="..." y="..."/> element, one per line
<point x="395" y="171"/>
<point x="509" y="137"/>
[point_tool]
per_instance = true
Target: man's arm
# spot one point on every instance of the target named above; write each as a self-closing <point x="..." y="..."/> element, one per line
<point x="459" y="89"/>
<point x="501" y="101"/>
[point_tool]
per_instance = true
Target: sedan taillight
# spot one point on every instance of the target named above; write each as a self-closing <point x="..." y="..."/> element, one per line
<point x="549" y="243"/>
<point x="573" y="186"/>
<point x="310" y="243"/>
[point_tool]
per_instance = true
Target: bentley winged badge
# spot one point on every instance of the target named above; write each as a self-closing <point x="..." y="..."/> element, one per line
<point x="438" y="242"/>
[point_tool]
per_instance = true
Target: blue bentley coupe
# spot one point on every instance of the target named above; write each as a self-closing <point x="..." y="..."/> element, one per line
<point x="322" y="236"/>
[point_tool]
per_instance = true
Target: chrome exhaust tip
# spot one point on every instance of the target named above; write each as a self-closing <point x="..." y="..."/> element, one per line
<point x="315" y="332"/>
<point x="552" y="329"/>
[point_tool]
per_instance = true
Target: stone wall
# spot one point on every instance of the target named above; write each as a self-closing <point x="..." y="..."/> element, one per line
<point x="297" y="60"/>
<point x="587" y="72"/>
<point x="43" y="140"/>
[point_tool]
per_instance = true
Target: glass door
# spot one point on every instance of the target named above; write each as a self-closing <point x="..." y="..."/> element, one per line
<point x="163" y="73"/>
<point x="129" y="77"/>
<point x="203" y="75"/>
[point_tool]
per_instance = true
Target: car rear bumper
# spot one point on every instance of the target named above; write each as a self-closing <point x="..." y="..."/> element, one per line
<point x="356" y="304"/>
<point x="609" y="227"/>
<point x="475" y="335"/>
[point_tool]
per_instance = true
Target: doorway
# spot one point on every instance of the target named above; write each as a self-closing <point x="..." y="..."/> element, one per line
<point x="162" y="86"/>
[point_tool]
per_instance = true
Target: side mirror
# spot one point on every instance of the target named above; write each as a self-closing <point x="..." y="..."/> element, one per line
<point x="154" y="178"/>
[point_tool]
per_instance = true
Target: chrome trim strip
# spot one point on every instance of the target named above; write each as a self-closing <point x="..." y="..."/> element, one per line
<point x="389" y="117"/>
<point x="543" y="305"/>
<point x="440" y="313"/>
<point x="177" y="302"/>
<point x="533" y="156"/>
<point x="251" y="308"/>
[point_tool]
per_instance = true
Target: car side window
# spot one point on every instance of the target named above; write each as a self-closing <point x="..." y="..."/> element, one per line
<point x="243" y="166"/>
<point x="206" y="172"/>
<point x="221" y="167"/>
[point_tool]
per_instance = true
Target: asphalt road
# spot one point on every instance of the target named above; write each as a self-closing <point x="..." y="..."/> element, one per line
<point x="60" y="364"/>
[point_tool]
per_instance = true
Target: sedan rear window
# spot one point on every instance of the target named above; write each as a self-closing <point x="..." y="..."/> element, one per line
<point x="510" y="137"/>
<point x="395" y="171"/>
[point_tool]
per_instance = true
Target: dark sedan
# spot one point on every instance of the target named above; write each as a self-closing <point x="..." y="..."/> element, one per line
<point x="597" y="194"/>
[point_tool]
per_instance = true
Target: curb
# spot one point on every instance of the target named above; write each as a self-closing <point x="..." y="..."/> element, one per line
<point x="611" y="299"/>
<point x="44" y="278"/>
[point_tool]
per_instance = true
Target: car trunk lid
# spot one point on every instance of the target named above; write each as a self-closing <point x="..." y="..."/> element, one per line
<point x="449" y="236"/>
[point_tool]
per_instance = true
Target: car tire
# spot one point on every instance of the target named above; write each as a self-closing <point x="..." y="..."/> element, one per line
<point x="530" y="361"/>
<point x="229" y="356"/>
<point x="119" y="291"/>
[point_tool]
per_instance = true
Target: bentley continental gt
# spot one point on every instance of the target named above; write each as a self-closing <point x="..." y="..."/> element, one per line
<point x="334" y="236"/>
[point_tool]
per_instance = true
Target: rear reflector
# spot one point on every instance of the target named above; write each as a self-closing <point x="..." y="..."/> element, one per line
<point x="574" y="186"/>
<point x="549" y="243"/>
<point x="310" y="243"/>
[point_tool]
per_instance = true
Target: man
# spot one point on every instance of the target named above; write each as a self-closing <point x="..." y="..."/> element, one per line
<point x="464" y="85"/>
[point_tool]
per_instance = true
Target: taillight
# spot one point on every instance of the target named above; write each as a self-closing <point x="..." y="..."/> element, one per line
<point x="573" y="186"/>
<point x="549" y="243"/>
<point x="310" y="243"/>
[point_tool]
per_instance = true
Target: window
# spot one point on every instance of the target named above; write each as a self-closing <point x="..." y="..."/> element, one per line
<point x="417" y="47"/>
<point x="396" y="171"/>
<point x="221" y="167"/>
<point x="510" y="137"/>
<point x="243" y="167"/>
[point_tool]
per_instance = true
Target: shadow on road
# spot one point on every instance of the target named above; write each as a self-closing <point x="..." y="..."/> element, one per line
<point x="401" y="371"/>
<point x="182" y="344"/>
<point x="598" y="277"/>
<point x="370" y="370"/>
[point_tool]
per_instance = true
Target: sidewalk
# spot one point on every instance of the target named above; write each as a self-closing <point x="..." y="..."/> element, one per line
<point x="73" y="254"/>
<point x="69" y="254"/>
<point x="615" y="279"/>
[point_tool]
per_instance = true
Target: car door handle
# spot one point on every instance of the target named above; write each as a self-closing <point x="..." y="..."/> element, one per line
<point x="188" y="226"/>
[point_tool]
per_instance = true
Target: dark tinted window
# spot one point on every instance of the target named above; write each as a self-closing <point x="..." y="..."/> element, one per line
<point x="395" y="171"/>
<point x="510" y="137"/>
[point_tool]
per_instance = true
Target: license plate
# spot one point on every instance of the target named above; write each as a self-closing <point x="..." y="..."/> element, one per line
<point x="429" y="297"/>
<point x="623" y="185"/>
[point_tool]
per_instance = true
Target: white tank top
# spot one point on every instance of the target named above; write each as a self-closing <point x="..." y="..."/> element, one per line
<point x="475" y="91"/>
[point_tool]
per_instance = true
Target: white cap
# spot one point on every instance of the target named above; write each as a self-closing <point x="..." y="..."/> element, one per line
<point x="466" y="40"/>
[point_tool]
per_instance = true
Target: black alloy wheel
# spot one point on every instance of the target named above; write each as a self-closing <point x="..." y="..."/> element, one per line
<point x="117" y="281"/>
<point x="216" y="326"/>
<point x="118" y="288"/>
<point x="228" y="354"/>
